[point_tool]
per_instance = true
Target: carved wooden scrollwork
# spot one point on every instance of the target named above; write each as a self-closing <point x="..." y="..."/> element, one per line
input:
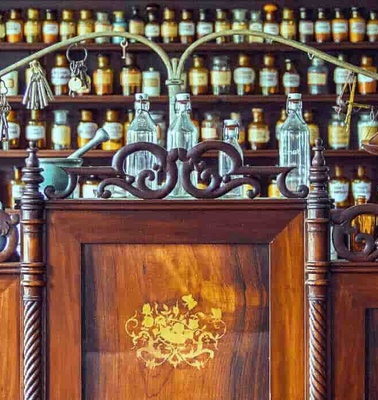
<point x="8" y="235"/>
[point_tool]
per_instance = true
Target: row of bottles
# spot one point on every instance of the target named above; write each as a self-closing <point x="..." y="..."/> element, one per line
<point x="183" y="27"/>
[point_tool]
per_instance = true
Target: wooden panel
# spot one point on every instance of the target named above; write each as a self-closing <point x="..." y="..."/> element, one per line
<point x="372" y="354"/>
<point x="10" y="337"/>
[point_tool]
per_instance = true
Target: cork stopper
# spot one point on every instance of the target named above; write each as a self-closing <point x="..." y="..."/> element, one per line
<point x="86" y="115"/>
<point x="244" y="60"/>
<point x="112" y="115"/>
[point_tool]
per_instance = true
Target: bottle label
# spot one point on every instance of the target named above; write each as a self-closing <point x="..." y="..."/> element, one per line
<point x="314" y="133"/>
<point x="340" y="27"/>
<point x="338" y="137"/>
<point x="339" y="191"/>
<point x="13" y="130"/>
<point x="271" y="28"/>
<point x="102" y="27"/>
<point x="244" y="75"/>
<point x="32" y="28"/>
<point x="306" y="27"/>
<point x="340" y="75"/>
<point x="84" y="27"/>
<point x="372" y="29"/>
<point x="11" y="82"/>
<point x="61" y="134"/>
<point x="169" y="30"/>
<point x="101" y="77"/>
<point x="136" y="27"/>
<point x="60" y="76"/>
<point x="151" y="83"/>
<point x="290" y="80"/>
<point x="316" y="78"/>
<point x="17" y="191"/>
<point x="268" y="78"/>
<point x="13" y="28"/>
<point x="358" y="27"/>
<point x="364" y="79"/>
<point x="239" y="25"/>
<point x="221" y="26"/>
<point x="121" y="27"/>
<point x="130" y="78"/>
<point x="198" y="78"/>
<point x="361" y="189"/>
<point x="67" y="28"/>
<point x="204" y="28"/>
<point x="35" y="132"/>
<point x="50" y="29"/>
<point x="256" y="26"/>
<point x="89" y="190"/>
<point x="288" y="30"/>
<point x="322" y="27"/>
<point x="220" y="78"/>
<point x="87" y="130"/>
<point x="114" y="130"/>
<point x="186" y="28"/>
<point x="152" y="31"/>
<point x="259" y="135"/>
<point x="209" y="133"/>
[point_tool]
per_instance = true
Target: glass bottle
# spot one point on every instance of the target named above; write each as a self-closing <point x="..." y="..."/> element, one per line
<point x="85" y="24"/>
<point x="17" y="188"/>
<point x="357" y="27"/>
<point x="169" y="26"/>
<point x="361" y="185"/>
<point x="67" y="26"/>
<point x="363" y="224"/>
<point x="14" y="27"/>
<point x="279" y="123"/>
<point x="136" y="23"/>
<point x="131" y="76"/>
<point x="158" y="118"/>
<point x="14" y="130"/>
<point x="338" y="137"/>
<point x="341" y="76"/>
<point x="86" y="128"/>
<point x="294" y="146"/>
<point x="60" y="131"/>
<point x="221" y="24"/>
<point x="129" y="118"/>
<point x="210" y="126"/>
<point x="60" y="75"/>
<point x="290" y="78"/>
<point x="119" y="25"/>
<point x="288" y="27"/>
<point x="372" y="27"/>
<point x="50" y="27"/>
<point x="114" y="128"/>
<point x="366" y="127"/>
<point x="32" y="27"/>
<point x="151" y="82"/>
<point x="103" y="76"/>
<point x="273" y="191"/>
<point x="306" y="27"/>
<point x="102" y="24"/>
<point x="244" y="76"/>
<point x="220" y="75"/>
<point x="339" y="188"/>
<point x="317" y="77"/>
<point x="312" y="127"/>
<point x="36" y="129"/>
<point x="230" y="136"/>
<point x="182" y="133"/>
<point x="242" y="133"/>
<point x="271" y="26"/>
<point x="204" y="26"/>
<point x="339" y="27"/>
<point x="258" y="131"/>
<point x="186" y="27"/>
<point x="367" y="85"/>
<point x="11" y="82"/>
<point x="152" y="27"/>
<point x="239" y="21"/>
<point x="269" y="76"/>
<point x="255" y="24"/>
<point x="198" y="76"/>
<point x="89" y="187"/>
<point x="322" y="27"/>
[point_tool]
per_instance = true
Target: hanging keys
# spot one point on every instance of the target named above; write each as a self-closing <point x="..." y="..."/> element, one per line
<point x="4" y="111"/>
<point x="79" y="78"/>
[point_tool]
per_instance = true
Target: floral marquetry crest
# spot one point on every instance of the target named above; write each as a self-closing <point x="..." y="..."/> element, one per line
<point x="175" y="334"/>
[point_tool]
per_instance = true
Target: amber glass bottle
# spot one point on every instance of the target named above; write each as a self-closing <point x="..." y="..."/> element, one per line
<point x="14" y="27"/>
<point x="338" y="137"/>
<point x="244" y="76"/>
<point x="136" y="23"/>
<point x="312" y="127"/>
<point x="357" y="27"/>
<point x="322" y="27"/>
<point x="242" y="133"/>
<point x="306" y="27"/>
<point x="152" y="27"/>
<point x="114" y="128"/>
<point x="169" y="26"/>
<point x="363" y="223"/>
<point x="103" y="76"/>
<point x="271" y="26"/>
<point x="32" y="27"/>
<point x="288" y="28"/>
<point x="198" y="76"/>
<point x="186" y="27"/>
<point x="60" y="75"/>
<point x="204" y="26"/>
<point x="372" y="27"/>
<point x="36" y="129"/>
<point x="67" y="26"/>
<point x="339" y="27"/>
<point x="14" y="130"/>
<point x="129" y="119"/>
<point x="269" y="76"/>
<point x="367" y="85"/>
<point x="16" y="188"/>
<point x="258" y="131"/>
<point x="290" y="78"/>
<point x="85" y="24"/>
<point x="361" y="184"/>
<point x="50" y="28"/>
<point x="86" y="128"/>
<point x="279" y="123"/>
<point x="131" y="76"/>
<point x="339" y="188"/>
<point x="221" y="24"/>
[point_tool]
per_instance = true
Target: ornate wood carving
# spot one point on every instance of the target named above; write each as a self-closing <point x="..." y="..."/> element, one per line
<point x="317" y="268"/>
<point x="32" y="276"/>
<point x="8" y="235"/>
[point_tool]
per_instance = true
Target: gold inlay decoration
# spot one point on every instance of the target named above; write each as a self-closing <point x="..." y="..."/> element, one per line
<point x="175" y="334"/>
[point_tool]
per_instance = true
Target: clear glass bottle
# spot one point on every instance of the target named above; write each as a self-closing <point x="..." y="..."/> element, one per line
<point x="136" y="23"/>
<point x="312" y="127"/>
<point x="255" y="24"/>
<point x="290" y="78"/>
<point x="198" y="76"/>
<point x="14" y="130"/>
<point x="372" y="27"/>
<point x="169" y="26"/>
<point x="221" y="24"/>
<point x="258" y="131"/>
<point x="341" y="76"/>
<point x="242" y="133"/>
<point x="152" y="27"/>
<point x="322" y="27"/>
<point x="60" y="75"/>
<point x="357" y="27"/>
<point x="361" y="185"/>
<point x="366" y="127"/>
<point x="159" y="119"/>
<point x="89" y="187"/>
<point x="102" y="24"/>
<point x="317" y="77"/>
<point x="36" y="129"/>
<point x="131" y="76"/>
<point x="85" y="24"/>
<point x="288" y="27"/>
<point x="103" y="76"/>
<point x="119" y="25"/>
<point x="129" y="119"/>
<point x="339" y="27"/>
<point x="16" y="187"/>
<point x="86" y="128"/>
<point x="60" y="131"/>
<point x="187" y="27"/>
<point x="32" y="27"/>
<point x="14" y="27"/>
<point x="339" y="188"/>
<point x="151" y="82"/>
<point x="279" y="123"/>
<point x="365" y="84"/>
<point x="11" y="82"/>
<point x="230" y="136"/>
<point x="239" y="21"/>
<point x="271" y="26"/>
<point x="50" y="27"/>
<point x="269" y="76"/>
<point x="244" y="76"/>
<point x="338" y="137"/>
<point x="210" y="126"/>
<point x="114" y="128"/>
<point x="67" y="26"/>
<point x="294" y="146"/>
<point x="306" y="27"/>
<point x="141" y="129"/>
<point x="204" y="26"/>
<point x="220" y="75"/>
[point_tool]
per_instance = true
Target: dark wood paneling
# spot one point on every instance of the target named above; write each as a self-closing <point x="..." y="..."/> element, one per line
<point x="372" y="354"/>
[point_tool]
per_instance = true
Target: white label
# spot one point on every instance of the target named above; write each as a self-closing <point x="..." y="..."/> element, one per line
<point x="361" y="189"/>
<point x="244" y="75"/>
<point x="358" y="27"/>
<point x="290" y="80"/>
<point x="89" y="190"/>
<point x="364" y="79"/>
<point x="17" y="191"/>
<point x="256" y="26"/>
<point x="114" y="130"/>
<point x="339" y="191"/>
<point x="306" y="27"/>
<point x="271" y="28"/>
<point x="209" y="133"/>
<point x="11" y="82"/>
<point x="152" y="30"/>
<point x="61" y="134"/>
<point x="151" y="83"/>
<point x="13" y="130"/>
<point x="260" y="135"/>
<point x="87" y="130"/>
<point x="204" y="28"/>
<point x="50" y="29"/>
<point x="322" y="27"/>
<point x="340" y="27"/>
<point x="372" y="29"/>
<point x="186" y="28"/>
<point x="35" y="132"/>
<point x="340" y="75"/>
<point x="13" y="28"/>
<point x="268" y="78"/>
<point x="60" y="76"/>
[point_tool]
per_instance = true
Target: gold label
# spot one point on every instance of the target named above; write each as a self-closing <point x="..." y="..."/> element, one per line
<point x="84" y="27"/>
<point x="220" y="78"/>
<point x="67" y="28"/>
<point x="169" y="30"/>
<point x="222" y="26"/>
<point x="136" y="27"/>
<point x="32" y="28"/>
<point x="316" y="78"/>
<point x="175" y="334"/>
<point x="288" y="30"/>
<point x="61" y="134"/>
<point x="239" y="25"/>
<point x="198" y="78"/>
<point x="259" y="135"/>
<point x="338" y="137"/>
<point x="314" y="133"/>
<point x="101" y="77"/>
<point x="209" y="133"/>
<point x="130" y="78"/>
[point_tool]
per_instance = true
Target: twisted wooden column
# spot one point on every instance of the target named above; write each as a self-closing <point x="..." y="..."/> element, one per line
<point x="317" y="268"/>
<point x="32" y="276"/>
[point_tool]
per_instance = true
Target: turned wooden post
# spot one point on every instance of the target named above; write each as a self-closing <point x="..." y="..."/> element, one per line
<point x="317" y="269"/>
<point x="32" y="277"/>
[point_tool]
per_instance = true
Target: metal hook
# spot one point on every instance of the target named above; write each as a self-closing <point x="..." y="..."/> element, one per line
<point x="124" y="45"/>
<point x="82" y="47"/>
<point x="310" y="56"/>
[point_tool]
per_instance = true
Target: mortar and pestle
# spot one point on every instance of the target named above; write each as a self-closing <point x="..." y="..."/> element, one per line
<point x="52" y="172"/>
